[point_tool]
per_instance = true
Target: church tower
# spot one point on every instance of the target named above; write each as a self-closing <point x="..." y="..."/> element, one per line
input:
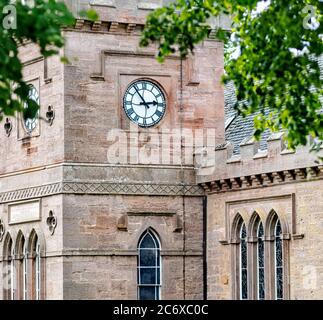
<point x="98" y="194"/>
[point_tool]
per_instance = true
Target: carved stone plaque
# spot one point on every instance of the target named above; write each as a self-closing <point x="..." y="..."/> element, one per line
<point x="24" y="212"/>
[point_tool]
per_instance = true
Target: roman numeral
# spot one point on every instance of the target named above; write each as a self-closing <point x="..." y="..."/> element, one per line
<point x="160" y="105"/>
<point x="158" y="113"/>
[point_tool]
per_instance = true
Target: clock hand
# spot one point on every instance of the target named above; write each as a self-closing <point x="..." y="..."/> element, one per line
<point x="153" y="102"/>
<point x="141" y="103"/>
<point x="144" y="102"/>
<point x="146" y="109"/>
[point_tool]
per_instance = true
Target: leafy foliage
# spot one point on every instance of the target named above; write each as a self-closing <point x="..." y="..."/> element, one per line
<point x="277" y="67"/>
<point x="42" y="24"/>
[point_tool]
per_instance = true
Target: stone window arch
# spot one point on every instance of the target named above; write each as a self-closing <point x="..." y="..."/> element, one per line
<point x="278" y="256"/>
<point x="36" y="274"/>
<point x="260" y="256"/>
<point x="21" y="267"/>
<point x="9" y="281"/>
<point x="240" y="261"/>
<point x="149" y="266"/>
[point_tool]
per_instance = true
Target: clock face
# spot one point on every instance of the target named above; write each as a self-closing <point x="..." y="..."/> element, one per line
<point x="30" y="124"/>
<point x="144" y="103"/>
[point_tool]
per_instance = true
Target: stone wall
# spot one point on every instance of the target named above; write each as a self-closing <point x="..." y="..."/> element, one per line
<point x="305" y="261"/>
<point x="107" y="62"/>
<point x="20" y="151"/>
<point x="101" y="235"/>
<point x="259" y="183"/>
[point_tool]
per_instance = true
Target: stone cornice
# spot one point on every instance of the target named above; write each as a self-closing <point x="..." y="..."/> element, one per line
<point x="116" y="27"/>
<point x="264" y="180"/>
<point x="221" y="170"/>
<point x="100" y="188"/>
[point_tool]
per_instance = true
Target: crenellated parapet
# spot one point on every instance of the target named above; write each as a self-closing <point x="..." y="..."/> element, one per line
<point x="222" y="170"/>
<point x="128" y="16"/>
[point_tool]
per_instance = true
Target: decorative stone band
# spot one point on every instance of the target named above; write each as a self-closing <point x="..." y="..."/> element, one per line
<point x="98" y="188"/>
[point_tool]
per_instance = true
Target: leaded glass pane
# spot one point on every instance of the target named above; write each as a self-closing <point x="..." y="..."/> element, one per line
<point x="260" y="253"/>
<point x="260" y="262"/>
<point x="279" y="261"/>
<point x="279" y="280"/>
<point x="148" y="242"/>
<point x="278" y="230"/>
<point x="243" y="263"/>
<point x="148" y="257"/>
<point x="261" y="284"/>
<point x="244" y="284"/>
<point x="148" y="293"/>
<point x="279" y="258"/>
<point x="148" y="276"/>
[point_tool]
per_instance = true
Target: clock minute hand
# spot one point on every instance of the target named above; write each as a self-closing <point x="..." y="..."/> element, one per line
<point x="153" y="102"/>
<point x="144" y="102"/>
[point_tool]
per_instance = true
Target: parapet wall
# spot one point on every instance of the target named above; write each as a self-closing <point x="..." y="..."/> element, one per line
<point x="131" y="11"/>
<point x="221" y="170"/>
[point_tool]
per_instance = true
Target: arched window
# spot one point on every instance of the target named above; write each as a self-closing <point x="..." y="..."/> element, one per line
<point x="25" y="271"/>
<point x="260" y="262"/>
<point x="279" y="291"/>
<point x="35" y="266"/>
<point x="37" y="271"/>
<point x="12" y="277"/>
<point x="21" y="268"/>
<point x="243" y="262"/>
<point x="149" y="264"/>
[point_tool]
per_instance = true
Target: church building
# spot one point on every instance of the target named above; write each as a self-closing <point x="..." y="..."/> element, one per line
<point x="138" y="180"/>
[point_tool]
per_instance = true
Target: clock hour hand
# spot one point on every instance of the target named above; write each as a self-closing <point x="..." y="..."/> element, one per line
<point x="153" y="102"/>
<point x="143" y="100"/>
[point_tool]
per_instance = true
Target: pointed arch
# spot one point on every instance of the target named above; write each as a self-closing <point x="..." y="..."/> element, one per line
<point x="32" y="241"/>
<point x="260" y="256"/>
<point x="9" y="271"/>
<point x="149" y="265"/>
<point x="270" y="223"/>
<point x="151" y="232"/>
<point x="20" y="243"/>
<point x="34" y="249"/>
<point x="253" y="224"/>
<point x="277" y="229"/>
<point x="21" y="266"/>
<point x="243" y="237"/>
<point x="7" y="246"/>
<point x="236" y="227"/>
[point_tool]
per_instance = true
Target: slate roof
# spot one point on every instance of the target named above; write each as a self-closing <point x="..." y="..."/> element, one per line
<point x="239" y="128"/>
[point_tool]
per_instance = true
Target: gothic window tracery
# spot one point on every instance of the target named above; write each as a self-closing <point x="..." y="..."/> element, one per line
<point x="149" y="267"/>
